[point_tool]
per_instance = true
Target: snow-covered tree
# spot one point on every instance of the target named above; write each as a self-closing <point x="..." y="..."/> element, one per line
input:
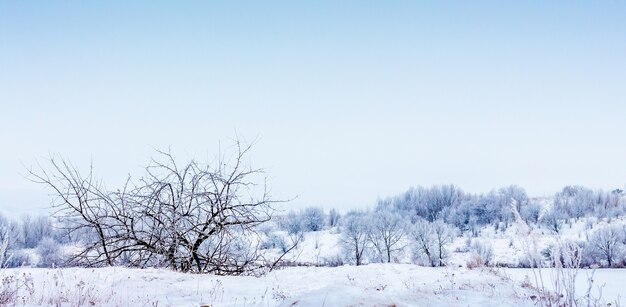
<point x="313" y="218"/>
<point x="439" y="198"/>
<point x="386" y="231"/>
<point x="444" y="235"/>
<point x="553" y="220"/>
<point x="292" y="223"/>
<point x="354" y="236"/>
<point x="430" y="241"/>
<point x="34" y="229"/>
<point x="49" y="253"/>
<point x="606" y="244"/>
<point x="530" y="213"/>
<point x="333" y="217"/>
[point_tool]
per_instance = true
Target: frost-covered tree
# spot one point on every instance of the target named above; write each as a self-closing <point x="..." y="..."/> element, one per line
<point x="575" y="201"/>
<point x="606" y="244"/>
<point x="439" y="198"/>
<point x="614" y="203"/>
<point x="386" y="231"/>
<point x="466" y="215"/>
<point x="427" y="203"/>
<point x="309" y="219"/>
<point x="34" y="229"/>
<point x="313" y="218"/>
<point x="444" y="235"/>
<point x="553" y="220"/>
<point x="292" y="223"/>
<point x="333" y="217"/>
<point x="530" y="213"/>
<point x="423" y="243"/>
<point x="354" y="236"/>
<point x="49" y="253"/>
<point x="495" y="206"/>
<point x="430" y="241"/>
<point x="12" y="228"/>
<point x="4" y="244"/>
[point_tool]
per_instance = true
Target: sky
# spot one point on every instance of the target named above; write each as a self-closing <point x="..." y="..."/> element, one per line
<point x="346" y="101"/>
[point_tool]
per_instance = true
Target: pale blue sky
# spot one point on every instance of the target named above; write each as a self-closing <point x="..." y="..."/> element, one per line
<point x="350" y="101"/>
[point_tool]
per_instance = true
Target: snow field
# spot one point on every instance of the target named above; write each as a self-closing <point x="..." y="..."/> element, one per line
<point x="370" y="285"/>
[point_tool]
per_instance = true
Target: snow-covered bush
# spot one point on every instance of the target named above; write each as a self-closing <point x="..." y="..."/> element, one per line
<point x="312" y="219"/>
<point x="18" y="258"/>
<point x="274" y="241"/>
<point x="309" y="219"/>
<point x="484" y="251"/>
<point x="49" y="253"/>
<point x="333" y="261"/>
<point x="292" y="223"/>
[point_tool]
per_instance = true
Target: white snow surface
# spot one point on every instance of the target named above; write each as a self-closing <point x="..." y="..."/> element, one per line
<point x="607" y="285"/>
<point x="369" y="285"/>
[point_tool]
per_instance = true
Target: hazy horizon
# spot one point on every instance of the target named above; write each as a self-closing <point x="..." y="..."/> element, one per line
<point x="348" y="101"/>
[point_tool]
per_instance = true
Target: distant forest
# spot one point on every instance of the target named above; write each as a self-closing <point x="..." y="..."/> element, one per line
<point x="426" y="219"/>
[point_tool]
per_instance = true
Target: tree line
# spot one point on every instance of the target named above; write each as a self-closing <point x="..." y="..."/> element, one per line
<point x="213" y="217"/>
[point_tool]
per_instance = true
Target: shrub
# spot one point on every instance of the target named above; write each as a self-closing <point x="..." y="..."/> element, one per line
<point x="17" y="259"/>
<point x="292" y="223"/>
<point x="313" y="219"/>
<point x="274" y="241"/>
<point x="49" y="253"/>
<point x="484" y="251"/>
<point x="475" y="261"/>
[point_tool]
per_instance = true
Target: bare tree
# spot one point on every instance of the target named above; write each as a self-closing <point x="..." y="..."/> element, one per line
<point x="354" y="238"/>
<point x="430" y="241"/>
<point x="386" y="231"/>
<point x="196" y="217"/>
<point x="423" y="242"/>
<point x="333" y="217"/>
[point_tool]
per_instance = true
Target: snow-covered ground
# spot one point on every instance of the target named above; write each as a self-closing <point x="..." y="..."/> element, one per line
<point x="370" y="285"/>
<point x="397" y="284"/>
<point x="607" y="285"/>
